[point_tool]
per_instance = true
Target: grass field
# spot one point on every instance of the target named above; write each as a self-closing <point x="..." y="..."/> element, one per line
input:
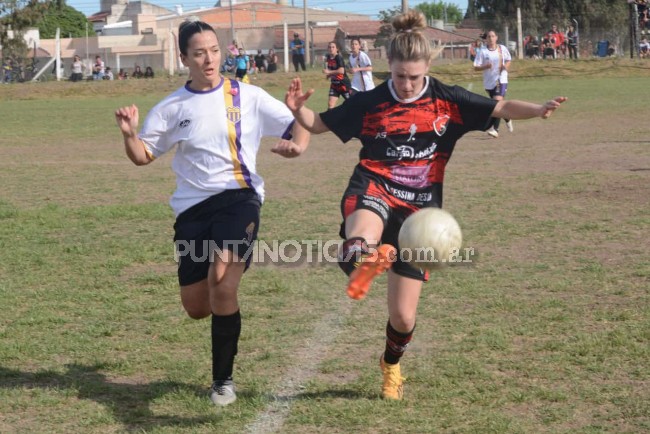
<point x="548" y="330"/>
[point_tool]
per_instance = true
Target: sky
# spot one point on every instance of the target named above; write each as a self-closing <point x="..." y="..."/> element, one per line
<point x="367" y="7"/>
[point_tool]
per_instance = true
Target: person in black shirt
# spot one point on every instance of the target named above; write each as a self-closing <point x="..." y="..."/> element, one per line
<point x="408" y="127"/>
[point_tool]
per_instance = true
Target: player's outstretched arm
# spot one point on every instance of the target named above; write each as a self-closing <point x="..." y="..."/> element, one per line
<point x="127" y="120"/>
<point x="295" y="99"/>
<point x="515" y="109"/>
<point x="295" y="147"/>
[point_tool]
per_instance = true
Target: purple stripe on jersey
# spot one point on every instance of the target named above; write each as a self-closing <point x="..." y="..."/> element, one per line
<point x="236" y="102"/>
<point x="287" y="133"/>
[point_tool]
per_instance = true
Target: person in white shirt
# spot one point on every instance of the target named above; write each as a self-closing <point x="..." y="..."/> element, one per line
<point x="360" y="68"/>
<point x="644" y="48"/>
<point x="99" y="68"/>
<point x="77" y="69"/>
<point x="216" y="125"/>
<point x="494" y="60"/>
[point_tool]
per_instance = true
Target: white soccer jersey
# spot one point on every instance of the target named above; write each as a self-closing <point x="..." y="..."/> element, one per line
<point x="497" y="73"/>
<point x="361" y="81"/>
<point x="218" y="135"/>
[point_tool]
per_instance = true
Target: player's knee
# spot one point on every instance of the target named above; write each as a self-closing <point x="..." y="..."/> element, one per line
<point x="197" y="311"/>
<point x="351" y="252"/>
<point x="403" y="321"/>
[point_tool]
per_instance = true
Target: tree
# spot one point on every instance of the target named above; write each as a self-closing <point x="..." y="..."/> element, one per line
<point x="71" y="22"/>
<point x="18" y="15"/>
<point x="386" y="29"/>
<point x="448" y="12"/>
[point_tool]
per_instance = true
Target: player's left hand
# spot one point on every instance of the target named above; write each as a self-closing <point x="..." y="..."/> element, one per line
<point x="287" y="149"/>
<point x="550" y="106"/>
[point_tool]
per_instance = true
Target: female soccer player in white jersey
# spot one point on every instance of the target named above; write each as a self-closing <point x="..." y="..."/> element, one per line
<point x="408" y="127"/>
<point x="494" y="60"/>
<point x="361" y="68"/>
<point x="216" y="125"/>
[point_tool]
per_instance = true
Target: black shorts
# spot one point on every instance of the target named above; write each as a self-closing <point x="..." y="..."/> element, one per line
<point x="374" y="197"/>
<point x="340" y="88"/>
<point x="240" y="73"/>
<point x="228" y="220"/>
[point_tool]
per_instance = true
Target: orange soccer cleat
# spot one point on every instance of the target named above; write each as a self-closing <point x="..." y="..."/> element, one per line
<point x="370" y="266"/>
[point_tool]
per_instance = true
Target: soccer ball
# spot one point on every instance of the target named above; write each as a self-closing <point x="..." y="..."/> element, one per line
<point x="429" y="238"/>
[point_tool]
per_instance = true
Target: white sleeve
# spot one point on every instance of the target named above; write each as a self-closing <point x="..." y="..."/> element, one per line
<point x="366" y="59"/>
<point x="274" y="116"/>
<point x="154" y="133"/>
<point x="506" y="54"/>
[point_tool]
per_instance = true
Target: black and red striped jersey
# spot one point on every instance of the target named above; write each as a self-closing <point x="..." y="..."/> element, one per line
<point x="406" y="145"/>
<point x="334" y="63"/>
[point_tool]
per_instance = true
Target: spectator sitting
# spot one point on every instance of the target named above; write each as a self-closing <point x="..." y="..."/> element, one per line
<point x="148" y="72"/>
<point x="77" y="69"/>
<point x="531" y="45"/>
<point x="548" y="46"/>
<point x="260" y="62"/>
<point x="122" y="75"/>
<point x="108" y="74"/>
<point x="644" y="48"/>
<point x="271" y="61"/>
<point x="137" y="72"/>
<point x="98" y="68"/>
<point x="229" y="63"/>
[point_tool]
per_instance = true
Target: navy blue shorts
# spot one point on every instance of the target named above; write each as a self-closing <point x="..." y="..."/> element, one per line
<point x="225" y="221"/>
<point x="499" y="90"/>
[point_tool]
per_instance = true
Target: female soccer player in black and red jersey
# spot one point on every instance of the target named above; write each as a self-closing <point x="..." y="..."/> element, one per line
<point x="335" y="71"/>
<point x="408" y="127"/>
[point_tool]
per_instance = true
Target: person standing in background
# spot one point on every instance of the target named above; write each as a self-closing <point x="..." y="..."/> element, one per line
<point x="271" y="61"/>
<point x="572" y="40"/>
<point x="335" y="71"/>
<point x="494" y="60"/>
<point x="361" y="69"/>
<point x="297" y="47"/>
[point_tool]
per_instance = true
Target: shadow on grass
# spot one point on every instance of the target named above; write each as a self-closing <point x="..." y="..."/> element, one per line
<point x="128" y="402"/>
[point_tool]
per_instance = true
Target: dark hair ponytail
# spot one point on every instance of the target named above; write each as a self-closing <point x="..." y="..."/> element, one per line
<point x="189" y="28"/>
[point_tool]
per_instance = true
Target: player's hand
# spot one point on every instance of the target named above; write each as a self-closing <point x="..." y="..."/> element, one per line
<point x="294" y="98"/>
<point x="287" y="149"/>
<point x="127" y="119"/>
<point x="550" y="106"/>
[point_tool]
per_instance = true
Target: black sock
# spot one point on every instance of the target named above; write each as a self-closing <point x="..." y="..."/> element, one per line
<point x="225" y="336"/>
<point x="396" y="343"/>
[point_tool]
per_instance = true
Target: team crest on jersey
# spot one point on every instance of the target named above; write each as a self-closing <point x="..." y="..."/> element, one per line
<point x="440" y="124"/>
<point x="185" y="123"/>
<point x="233" y="114"/>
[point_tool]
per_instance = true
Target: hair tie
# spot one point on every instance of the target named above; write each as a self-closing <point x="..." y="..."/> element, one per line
<point x="406" y="30"/>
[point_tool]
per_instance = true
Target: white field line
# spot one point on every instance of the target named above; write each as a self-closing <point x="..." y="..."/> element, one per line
<point x="304" y="366"/>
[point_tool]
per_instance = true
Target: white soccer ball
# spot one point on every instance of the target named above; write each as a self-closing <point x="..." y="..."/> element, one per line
<point x="430" y="238"/>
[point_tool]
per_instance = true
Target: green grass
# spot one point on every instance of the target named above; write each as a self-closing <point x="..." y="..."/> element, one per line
<point x="548" y="330"/>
